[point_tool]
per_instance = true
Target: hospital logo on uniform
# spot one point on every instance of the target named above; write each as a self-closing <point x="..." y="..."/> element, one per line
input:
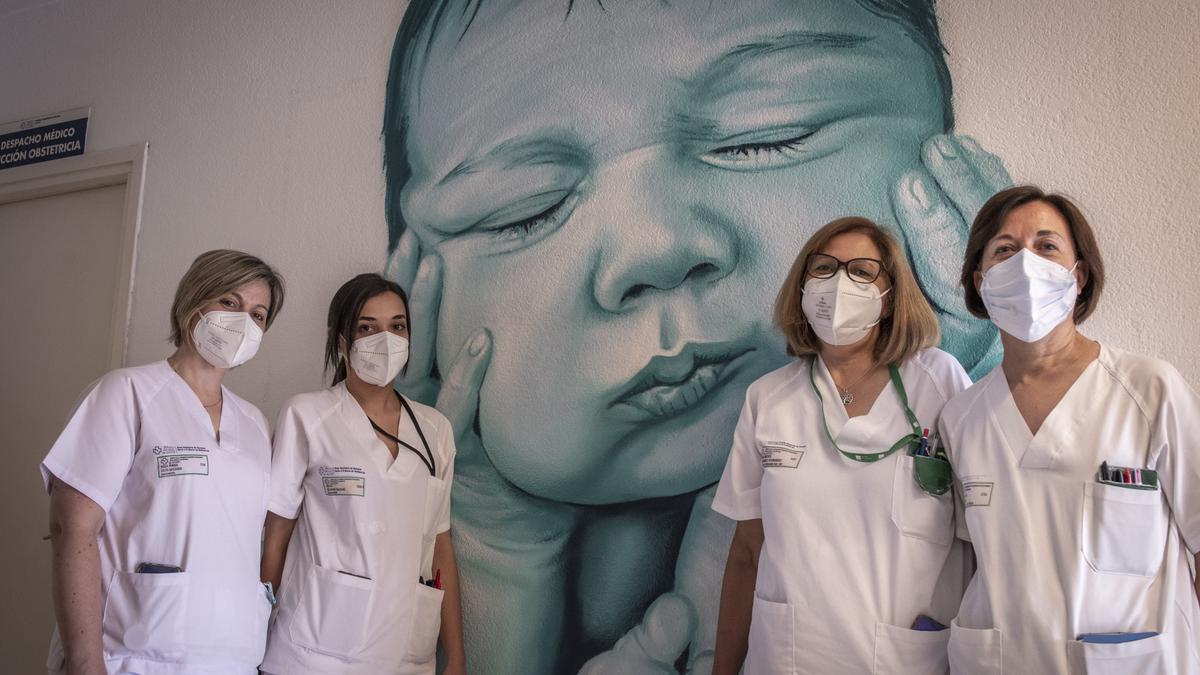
<point x="343" y="481"/>
<point x="977" y="493"/>
<point x="178" y="449"/>
<point x="780" y="455"/>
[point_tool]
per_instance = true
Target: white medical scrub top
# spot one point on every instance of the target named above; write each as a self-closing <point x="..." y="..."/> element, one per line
<point x="1061" y="554"/>
<point x="140" y="444"/>
<point x="350" y="600"/>
<point x="853" y="552"/>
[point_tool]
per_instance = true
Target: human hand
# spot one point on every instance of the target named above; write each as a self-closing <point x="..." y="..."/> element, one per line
<point x="510" y="545"/>
<point x="653" y="646"/>
<point x="700" y="572"/>
<point x="934" y="208"/>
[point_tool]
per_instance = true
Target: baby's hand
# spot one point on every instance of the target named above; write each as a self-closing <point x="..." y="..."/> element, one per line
<point x="686" y="618"/>
<point x="934" y="209"/>
<point x="509" y="545"/>
<point x="652" y="646"/>
<point x="700" y="572"/>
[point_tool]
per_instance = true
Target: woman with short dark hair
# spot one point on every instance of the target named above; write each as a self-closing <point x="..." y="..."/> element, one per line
<point x="1076" y="466"/>
<point x="360" y="508"/>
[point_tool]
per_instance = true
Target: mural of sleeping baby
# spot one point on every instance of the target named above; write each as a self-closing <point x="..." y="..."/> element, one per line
<point x="594" y="203"/>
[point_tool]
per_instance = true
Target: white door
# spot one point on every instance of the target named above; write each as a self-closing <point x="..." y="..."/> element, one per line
<point x="61" y="265"/>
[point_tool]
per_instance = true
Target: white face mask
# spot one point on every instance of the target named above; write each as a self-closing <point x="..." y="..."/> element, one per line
<point x="840" y="310"/>
<point x="1027" y="296"/>
<point x="227" y="339"/>
<point x="379" y="358"/>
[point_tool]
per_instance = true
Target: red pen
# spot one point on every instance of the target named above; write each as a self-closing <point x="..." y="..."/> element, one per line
<point x="1128" y="477"/>
<point x="437" y="580"/>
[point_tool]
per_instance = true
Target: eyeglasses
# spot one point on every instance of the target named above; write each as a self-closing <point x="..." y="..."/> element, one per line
<point x="822" y="266"/>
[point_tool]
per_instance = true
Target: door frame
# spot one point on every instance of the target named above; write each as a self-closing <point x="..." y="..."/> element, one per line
<point x="121" y="166"/>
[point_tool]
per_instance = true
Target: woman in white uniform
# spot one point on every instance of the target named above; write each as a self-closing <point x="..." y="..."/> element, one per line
<point x="844" y="558"/>
<point x="158" y="487"/>
<point x="360" y="508"/>
<point x="1077" y="466"/>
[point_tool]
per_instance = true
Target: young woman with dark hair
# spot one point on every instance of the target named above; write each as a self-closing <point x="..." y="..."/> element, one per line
<point x="360" y="508"/>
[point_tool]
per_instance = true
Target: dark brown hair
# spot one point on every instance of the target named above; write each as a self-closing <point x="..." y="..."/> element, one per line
<point x="991" y="218"/>
<point x="344" y="309"/>
<point x="909" y="327"/>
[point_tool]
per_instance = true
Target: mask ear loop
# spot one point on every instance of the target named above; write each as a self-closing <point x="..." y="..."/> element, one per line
<point x="877" y="321"/>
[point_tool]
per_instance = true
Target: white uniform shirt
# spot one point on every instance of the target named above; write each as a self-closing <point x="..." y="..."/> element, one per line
<point x="350" y="600"/>
<point x="1061" y="554"/>
<point x="141" y="445"/>
<point x="853" y="552"/>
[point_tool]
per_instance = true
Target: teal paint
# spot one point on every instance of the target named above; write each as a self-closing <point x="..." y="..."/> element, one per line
<point x="605" y="187"/>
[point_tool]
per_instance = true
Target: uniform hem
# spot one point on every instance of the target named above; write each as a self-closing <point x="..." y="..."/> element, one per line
<point x="733" y="513"/>
<point x="50" y="467"/>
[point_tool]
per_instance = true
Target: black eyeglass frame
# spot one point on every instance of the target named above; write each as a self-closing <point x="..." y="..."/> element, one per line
<point x="846" y="264"/>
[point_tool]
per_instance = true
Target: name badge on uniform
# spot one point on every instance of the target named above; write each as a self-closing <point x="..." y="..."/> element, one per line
<point x="977" y="493"/>
<point x="338" y="484"/>
<point x="174" y="461"/>
<point x="780" y="455"/>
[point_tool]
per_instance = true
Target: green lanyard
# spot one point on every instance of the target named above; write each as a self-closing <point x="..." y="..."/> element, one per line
<point x="914" y="437"/>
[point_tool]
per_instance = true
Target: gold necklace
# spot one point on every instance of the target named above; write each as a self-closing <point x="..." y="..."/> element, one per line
<point x="220" y="399"/>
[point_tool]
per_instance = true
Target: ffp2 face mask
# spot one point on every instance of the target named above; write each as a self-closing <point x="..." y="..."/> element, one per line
<point x="379" y="358"/>
<point x="227" y="339"/>
<point x="840" y="310"/>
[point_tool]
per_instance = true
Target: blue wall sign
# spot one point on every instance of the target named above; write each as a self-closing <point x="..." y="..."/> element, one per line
<point x="43" y="138"/>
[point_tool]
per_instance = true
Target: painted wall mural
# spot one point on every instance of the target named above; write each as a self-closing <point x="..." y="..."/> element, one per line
<point x="593" y="203"/>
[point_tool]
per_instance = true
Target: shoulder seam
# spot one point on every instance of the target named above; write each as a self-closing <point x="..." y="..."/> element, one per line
<point x="1129" y="390"/>
<point x="917" y="361"/>
<point x="809" y="362"/>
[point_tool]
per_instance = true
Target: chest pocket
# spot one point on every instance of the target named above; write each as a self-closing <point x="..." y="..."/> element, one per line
<point x="919" y="514"/>
<point x="1123" y="530"/>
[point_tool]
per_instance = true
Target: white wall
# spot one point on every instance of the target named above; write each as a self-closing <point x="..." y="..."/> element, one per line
<point x="1100" y="100"/>
<point x="263" y="122"/>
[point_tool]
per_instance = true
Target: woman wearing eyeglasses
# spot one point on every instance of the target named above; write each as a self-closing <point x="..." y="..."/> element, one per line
<point x="360" y="508"/>
<point x="844" y="558"/>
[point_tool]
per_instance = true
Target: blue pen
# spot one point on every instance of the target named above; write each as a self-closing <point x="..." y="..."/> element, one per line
<point x="923" y="447"/>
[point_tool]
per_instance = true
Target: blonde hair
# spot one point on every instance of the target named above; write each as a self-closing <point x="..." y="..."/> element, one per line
<point x="214" y="274"/>
<point x="907" y="324"/>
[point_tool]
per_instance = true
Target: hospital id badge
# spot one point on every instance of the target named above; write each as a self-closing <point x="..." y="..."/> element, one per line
<point x="780" y="455"/>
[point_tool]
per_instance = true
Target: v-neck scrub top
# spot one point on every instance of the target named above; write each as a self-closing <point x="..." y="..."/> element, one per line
<point x="141" y="445"/>
<point x="1061" y="554"/>
<point x="350" y="600"/>
<point x="853" y="552"/>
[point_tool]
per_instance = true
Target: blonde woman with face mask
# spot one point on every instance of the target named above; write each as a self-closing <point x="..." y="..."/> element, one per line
<point x="158" y="488"/>
<point x="844" y="558"/>
<point x="357" y="538"/>
<point x="1077" y="467"/>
